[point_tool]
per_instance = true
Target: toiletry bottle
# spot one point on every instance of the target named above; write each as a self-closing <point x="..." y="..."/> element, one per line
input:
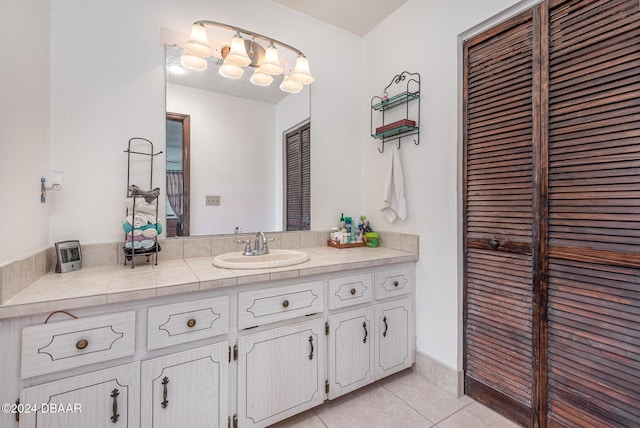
<point x="354" y="233"/>
<point x="341" y="222"/>
<point x="349" y="228"/>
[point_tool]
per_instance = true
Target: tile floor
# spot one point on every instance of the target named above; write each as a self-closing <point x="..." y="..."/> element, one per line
<point x="403" y="400"/>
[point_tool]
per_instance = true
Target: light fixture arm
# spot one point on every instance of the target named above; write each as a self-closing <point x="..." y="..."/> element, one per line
<point x="249" y="33"/>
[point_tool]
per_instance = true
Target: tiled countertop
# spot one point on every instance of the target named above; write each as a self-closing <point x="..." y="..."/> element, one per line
<point x="117" y="283"/>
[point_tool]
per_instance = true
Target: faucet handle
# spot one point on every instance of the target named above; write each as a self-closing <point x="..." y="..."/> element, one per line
<point x="265" y="245"/>
<point x="247" y="249"/>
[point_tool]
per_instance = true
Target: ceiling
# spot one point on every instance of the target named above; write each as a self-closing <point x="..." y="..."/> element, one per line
<point x="355" y="16"/>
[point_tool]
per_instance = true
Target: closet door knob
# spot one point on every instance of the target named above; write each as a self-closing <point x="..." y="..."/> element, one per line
<point x="494" y="244"/>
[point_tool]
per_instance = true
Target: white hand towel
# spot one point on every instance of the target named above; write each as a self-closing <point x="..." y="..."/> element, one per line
<point x="137" y="221"/>
<point x="394" y="204"/>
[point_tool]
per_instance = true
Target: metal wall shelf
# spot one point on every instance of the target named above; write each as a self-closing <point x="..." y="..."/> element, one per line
<point x="409" y="90"/>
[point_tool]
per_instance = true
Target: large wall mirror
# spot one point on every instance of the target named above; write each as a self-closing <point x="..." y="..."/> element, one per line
<point x="238" y="138"/>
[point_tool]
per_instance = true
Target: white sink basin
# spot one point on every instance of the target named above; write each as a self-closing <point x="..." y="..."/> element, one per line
<point x="276" y="258"/>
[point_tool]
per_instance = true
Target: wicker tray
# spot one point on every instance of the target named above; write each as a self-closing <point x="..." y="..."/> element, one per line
<point x="352" y="245"/>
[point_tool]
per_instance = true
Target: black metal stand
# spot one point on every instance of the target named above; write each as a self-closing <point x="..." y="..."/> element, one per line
<point x="131" y="253"/>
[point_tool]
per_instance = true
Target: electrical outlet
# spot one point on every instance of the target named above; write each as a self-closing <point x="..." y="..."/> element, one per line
<point x="212" y="200"/>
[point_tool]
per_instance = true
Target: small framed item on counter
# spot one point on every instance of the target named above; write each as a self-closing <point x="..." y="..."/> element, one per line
<point x="69" y="256"/>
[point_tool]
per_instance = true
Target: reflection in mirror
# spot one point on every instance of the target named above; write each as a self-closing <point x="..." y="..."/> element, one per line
<point x="238" y="134"/>
<point x="178" y="174"/>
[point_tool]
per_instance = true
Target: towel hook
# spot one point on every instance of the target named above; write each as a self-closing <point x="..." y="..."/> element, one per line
<point x="382" y="151"/>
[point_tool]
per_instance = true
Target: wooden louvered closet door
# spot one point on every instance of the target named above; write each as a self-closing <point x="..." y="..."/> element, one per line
<point x="552" y="313"/>
<point x="594" y="214"/>
<point x="499" y="218"/>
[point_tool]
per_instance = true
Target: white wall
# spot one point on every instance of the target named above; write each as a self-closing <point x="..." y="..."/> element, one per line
<point x="232" y="148"/>
<point x="107" y="71"/>
<point x="24" y="127"/>
<point x="422" y="37"/>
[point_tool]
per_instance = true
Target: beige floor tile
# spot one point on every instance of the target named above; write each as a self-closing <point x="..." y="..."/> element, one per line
<point x="306" y="419"/>
<point x="476" y="415"/>
<point x="374" y="406"/>
<point x="430" y="401"/>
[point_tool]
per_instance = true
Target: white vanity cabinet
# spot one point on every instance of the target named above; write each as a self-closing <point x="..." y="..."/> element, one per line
<point x="374" y="340"/>
<point x="105" y="398"/>
<point x="186" y="389"/>
<point x="351" y="351"/>
<point x="246" y="355"/>
<point x="394" y="343"/>
<point x="281" y="372"/>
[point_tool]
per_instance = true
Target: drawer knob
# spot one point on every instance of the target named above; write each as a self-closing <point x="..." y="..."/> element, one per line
<point x="285" y="304"/>
<point x="82" y="343"/>
<point x="396" y="283"/>
<point x="191" y="323"/>
<point x="353" y="291"/>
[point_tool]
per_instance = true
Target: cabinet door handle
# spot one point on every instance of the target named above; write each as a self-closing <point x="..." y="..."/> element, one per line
<point x="165" y="402"/>
<point x="311" y="343"/>
<point x="386" y="327"/>
<point x="285" y="304"/>
<point x="114" y="395"/>
<point x="366" y="333"/>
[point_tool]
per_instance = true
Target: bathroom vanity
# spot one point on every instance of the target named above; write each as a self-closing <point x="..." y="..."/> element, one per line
<point x="186" y="344"/>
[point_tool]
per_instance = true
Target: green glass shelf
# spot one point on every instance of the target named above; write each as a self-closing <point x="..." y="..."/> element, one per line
<point x="396" y="100"/>
<point x="395" y="131"/>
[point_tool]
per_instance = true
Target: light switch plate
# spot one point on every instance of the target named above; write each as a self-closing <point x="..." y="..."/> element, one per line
<point x="212" y="200"/>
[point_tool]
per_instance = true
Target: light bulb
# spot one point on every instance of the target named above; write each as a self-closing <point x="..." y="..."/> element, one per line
<point x="231" y="71"/>
<point x="261" y="79"/>
<point x="193" y="62"/>
<point x="271" y="63"/>
<point x="198" y="44"/>
<point x="301" y="72"/>
<point x="290" y="85"/>
<point x="238" y="54"/>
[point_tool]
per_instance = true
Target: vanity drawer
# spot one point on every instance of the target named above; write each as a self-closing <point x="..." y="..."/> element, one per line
<point x="390" y="283"/>
<point x="187" y="321"/>
<point x="48" y="348"/>
<point x="280" y="303"/>
<point x="351" y="290"/>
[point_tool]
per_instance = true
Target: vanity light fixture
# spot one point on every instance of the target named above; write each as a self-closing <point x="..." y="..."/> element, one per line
<point x="197" y="49"/>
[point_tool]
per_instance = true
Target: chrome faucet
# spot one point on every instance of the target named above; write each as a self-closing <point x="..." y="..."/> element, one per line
<point x="260" y="246"/>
